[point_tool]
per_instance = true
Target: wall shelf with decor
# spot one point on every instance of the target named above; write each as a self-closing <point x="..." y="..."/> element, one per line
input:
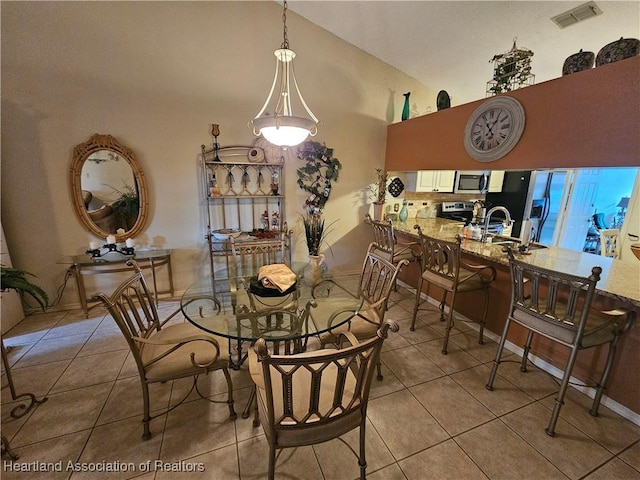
<point x="243" y="197"/>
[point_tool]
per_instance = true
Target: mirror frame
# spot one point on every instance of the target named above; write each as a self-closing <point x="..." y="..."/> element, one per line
<point x="81" y="153"/>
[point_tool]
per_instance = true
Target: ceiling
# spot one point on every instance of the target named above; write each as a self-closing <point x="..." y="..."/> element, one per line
<point x="448" y="45"/>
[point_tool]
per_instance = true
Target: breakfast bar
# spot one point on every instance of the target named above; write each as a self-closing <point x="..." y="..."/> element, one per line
<point x="619" y="287"/>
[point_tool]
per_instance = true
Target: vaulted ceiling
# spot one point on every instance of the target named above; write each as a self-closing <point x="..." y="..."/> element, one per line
<point x="449" y="44"/>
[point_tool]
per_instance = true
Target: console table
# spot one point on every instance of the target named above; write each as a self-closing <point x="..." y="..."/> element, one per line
<point x="81" y="265"/>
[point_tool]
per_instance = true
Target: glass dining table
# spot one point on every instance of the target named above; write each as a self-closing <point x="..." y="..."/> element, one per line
<point x="202" y="306"/>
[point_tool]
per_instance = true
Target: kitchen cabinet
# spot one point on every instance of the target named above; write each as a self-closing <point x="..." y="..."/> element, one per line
<point x="495" y="181"/>
<point x="441" y="181"/>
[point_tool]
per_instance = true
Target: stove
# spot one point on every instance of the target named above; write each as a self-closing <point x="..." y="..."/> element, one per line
<point x="461" y="211"/>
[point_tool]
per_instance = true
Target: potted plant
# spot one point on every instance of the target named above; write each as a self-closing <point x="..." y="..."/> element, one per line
<point x="14" y="279"/>
<point x="126" y="206"/>
<point x="321" y="169"/>
<point x="377" y="191"/>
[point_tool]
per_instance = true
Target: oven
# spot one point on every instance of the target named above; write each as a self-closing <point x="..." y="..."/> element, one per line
<point x="460" y="211"/>
<point x="472" y="182"/>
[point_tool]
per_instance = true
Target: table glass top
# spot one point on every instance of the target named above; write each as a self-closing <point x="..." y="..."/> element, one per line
<point x="86" y="259"/>
<point x="202" y="308"/>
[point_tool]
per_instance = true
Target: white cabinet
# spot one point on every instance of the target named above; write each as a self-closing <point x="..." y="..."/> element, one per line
<point x="495" y="181"/>
<point x="435" y="181"/>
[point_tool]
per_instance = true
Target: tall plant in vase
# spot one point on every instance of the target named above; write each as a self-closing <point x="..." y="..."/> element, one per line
<point x="321" y="169"/>
<point x="377" y="191"/>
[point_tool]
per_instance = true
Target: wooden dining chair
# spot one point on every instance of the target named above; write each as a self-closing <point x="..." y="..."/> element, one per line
<point x="442" y="266"/>
<point x="164" y="352"/>
<point x="316" y="396"/>
<point x="558" y="306"/>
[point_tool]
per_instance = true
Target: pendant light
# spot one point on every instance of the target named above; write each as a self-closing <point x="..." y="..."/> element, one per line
<point x="283" y="128"/>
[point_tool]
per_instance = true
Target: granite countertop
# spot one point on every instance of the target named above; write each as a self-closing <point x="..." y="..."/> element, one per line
<point x="620" y="280"/>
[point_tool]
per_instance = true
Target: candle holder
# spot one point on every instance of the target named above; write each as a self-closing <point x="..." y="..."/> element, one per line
<point x="215" y="131"/>
<point x="111" y="253"/>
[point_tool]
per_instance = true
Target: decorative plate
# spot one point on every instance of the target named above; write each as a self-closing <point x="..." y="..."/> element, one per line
<point x="442" y="100"/>
<point x="578" y="62"/>
<point x="396" y="187"/>
<point x="618" y="50"/>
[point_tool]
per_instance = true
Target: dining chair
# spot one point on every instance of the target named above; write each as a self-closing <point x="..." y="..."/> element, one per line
<point x="163" y="352"/>
<point x="609" y="239"/>
<point x="249" y="256"/>
<point x="316" y="396"/>
<point x="285" y="329"/>
<point x="557" y="306"/>
<point x="377" y="279"/>
<point x="442" y="267"/>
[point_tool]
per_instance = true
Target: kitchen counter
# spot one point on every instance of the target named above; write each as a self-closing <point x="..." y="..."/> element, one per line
<point x="619" y="287"/>
<point x="619" y="280"/>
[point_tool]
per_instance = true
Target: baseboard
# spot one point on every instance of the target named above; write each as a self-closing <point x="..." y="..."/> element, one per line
<point x="541" y="364"/>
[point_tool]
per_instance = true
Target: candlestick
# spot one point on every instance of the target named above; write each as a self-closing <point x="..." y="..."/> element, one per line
<point x="129" y="242"/>
<point x="120" y="231"/>
<point x="93" y="245"/>
<point x="111" y="239"/>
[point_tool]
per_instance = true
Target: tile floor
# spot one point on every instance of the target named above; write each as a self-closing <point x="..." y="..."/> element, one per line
<point x="430" y="418"/>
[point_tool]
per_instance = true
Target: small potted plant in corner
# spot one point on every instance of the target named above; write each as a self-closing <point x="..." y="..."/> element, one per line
<point x="316" y="177"/>
<point x="14" y="279"/>
<point x="377" y="191"/>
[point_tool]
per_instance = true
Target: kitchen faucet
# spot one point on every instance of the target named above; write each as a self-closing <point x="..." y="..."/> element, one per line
<point x="485" y="228"/>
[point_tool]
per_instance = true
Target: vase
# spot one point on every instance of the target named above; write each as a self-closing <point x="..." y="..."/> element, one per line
<point x="312" y="274"/>
<point x="405" y="108"/>
<point x="378" y="211"/>
<point x="404" y="212"/>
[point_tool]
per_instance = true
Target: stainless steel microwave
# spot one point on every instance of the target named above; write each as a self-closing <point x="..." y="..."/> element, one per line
<point x="472" y="182"/>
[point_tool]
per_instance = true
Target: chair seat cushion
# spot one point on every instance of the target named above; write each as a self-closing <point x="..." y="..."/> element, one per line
<point x="468" y="282"/>
<point x="406" y="251"/>
<point x="364" y="325"/>
<point x="600" y="328"/>
<point x="178" y="363"/>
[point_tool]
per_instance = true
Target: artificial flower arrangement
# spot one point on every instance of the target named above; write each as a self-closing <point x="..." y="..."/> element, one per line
<point x="321" y="169"/>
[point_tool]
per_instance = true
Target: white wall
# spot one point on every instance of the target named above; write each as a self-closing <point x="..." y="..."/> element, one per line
<point x="156" y="75"/>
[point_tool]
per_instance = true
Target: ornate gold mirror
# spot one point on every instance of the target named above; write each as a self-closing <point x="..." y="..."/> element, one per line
<point x="108" y="188"/>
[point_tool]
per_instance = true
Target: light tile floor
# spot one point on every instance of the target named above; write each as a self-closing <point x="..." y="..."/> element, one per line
<point x="430" y="418"/>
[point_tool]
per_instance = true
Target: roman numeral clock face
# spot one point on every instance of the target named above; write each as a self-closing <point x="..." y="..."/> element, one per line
<point x="494" y="129"/>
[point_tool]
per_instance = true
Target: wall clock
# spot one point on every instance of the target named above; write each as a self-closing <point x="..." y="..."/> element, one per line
<point x="494" y="129"/>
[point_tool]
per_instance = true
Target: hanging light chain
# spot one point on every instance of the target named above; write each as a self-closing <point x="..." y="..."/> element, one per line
<point x="285" y="43"/>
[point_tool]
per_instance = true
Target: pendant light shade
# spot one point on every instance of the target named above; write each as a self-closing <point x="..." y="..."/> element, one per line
<point x="283" y="127"/>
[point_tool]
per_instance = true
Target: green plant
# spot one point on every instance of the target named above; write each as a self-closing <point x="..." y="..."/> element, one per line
<point x="378" y="190"/>
<point x="316" y="177"/>
<point x="14" y="279"/>
<point x="128" y="203"/>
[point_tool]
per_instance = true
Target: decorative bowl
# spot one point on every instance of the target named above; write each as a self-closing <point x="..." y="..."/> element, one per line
<point x="226" y="233"/>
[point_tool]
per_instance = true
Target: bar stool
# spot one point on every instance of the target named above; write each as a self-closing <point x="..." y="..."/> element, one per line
<point x="385" y="243"/>
<point x="558" y="306"/>
<point x="443" y="267"/>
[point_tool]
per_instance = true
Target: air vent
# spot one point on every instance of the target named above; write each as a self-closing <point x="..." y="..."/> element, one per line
<point x="576" y="15"/>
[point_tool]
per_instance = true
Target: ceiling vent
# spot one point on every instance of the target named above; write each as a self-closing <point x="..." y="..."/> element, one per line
<point x="576" y="15"/>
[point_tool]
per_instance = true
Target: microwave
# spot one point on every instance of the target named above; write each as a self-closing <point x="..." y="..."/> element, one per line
<point x="472" y="182"/>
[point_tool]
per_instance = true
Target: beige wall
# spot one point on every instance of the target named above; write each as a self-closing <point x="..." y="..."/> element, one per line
<point x="156" y="75"/>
